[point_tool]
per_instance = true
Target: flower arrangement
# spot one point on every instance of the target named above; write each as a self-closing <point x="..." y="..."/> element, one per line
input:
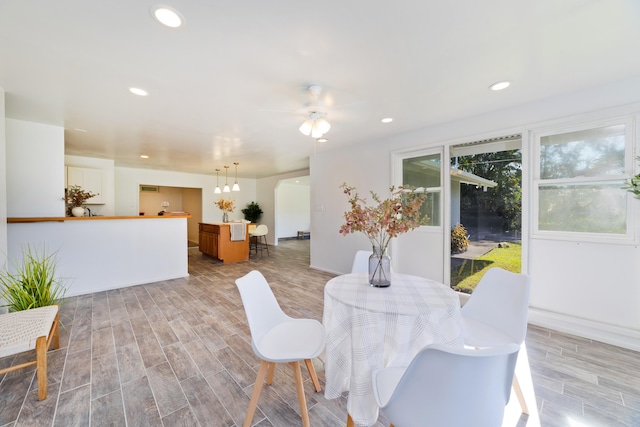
<point x="389" y="218"/>
<point x="75" y="196"/>
<point x="226" y="205"/>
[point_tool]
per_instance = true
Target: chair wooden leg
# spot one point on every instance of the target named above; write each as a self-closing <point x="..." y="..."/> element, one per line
<point x="350" y="421"/>
<point x="313" y="375"/>
<point x="255" y="395"/>
<point x="266" y="245"/>
<point x="301" y="399"/>
<point x="41" y="366"/>
<point x="518" y="390"/>
<point x="272" y="367"/>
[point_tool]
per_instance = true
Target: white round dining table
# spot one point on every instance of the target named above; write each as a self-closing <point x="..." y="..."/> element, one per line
<point x="371" y="328"/>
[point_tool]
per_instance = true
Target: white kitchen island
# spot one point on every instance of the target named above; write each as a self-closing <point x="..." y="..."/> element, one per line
<point x="101" y="253"/>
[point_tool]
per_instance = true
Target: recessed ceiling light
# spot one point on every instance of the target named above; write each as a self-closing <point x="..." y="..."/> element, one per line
<point x="387" y="120"/>
<point x="167" y="16"/>
<point x="500" y="85"/>
<point x="144" y="156"/>
<point x="138" y="91"/>
<point x="322" y="139"/>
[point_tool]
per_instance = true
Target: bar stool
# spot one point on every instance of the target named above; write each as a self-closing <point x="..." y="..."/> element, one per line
<point x="261" y="231"/>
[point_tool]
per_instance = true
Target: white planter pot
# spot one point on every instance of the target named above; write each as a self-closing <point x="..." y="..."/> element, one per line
<point x="77" y="211"/>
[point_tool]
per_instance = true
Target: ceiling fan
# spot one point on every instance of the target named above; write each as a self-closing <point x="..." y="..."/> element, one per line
<point x="316" y="124"/>
<point x="319" y="109"/>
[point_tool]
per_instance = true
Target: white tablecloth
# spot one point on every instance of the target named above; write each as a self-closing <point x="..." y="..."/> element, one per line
<point x="371" y="328"/>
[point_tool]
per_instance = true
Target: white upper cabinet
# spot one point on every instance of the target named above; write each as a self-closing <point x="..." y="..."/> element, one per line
<point x="90" y="180"/>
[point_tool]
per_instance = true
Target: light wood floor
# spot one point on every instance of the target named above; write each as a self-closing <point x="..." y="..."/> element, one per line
<point x="178" y="353"/>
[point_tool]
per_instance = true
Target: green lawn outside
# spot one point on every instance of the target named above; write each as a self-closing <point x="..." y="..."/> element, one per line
<point x="469" y="273"/>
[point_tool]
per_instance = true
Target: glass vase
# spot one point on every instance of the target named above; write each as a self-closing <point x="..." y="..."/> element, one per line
<point x="225" y="217"/>
<point x="379" y="268"/>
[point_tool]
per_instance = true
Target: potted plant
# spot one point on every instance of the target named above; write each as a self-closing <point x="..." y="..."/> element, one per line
<point x="252" y="212"/>
<point x="33" y="283"/>
<point x="75" y="197"/>
<point x="389" y="218"/>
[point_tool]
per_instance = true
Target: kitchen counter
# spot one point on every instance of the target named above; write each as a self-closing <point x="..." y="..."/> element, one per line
<point x="215" y="241"/>
<point x="92" y="218"/>
<point x="100" y="253"/>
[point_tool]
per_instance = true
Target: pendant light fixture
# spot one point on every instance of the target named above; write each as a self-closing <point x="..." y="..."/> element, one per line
<point x="226" y="188"/>
<point x="217" y="190"/>
<point x="236" y="187"/>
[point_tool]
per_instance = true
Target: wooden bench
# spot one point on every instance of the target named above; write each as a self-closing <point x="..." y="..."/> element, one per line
<point x="26" y="330"/>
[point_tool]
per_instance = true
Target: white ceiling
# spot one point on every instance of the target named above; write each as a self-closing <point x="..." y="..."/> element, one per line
<point x="229" y="85"/>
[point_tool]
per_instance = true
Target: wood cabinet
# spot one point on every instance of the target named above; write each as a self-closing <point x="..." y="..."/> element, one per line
<point x="215" y="240"/>
<point x="90" y="180"/>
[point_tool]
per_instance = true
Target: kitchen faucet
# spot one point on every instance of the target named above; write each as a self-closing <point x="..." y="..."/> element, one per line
<point x="89" y="210"/>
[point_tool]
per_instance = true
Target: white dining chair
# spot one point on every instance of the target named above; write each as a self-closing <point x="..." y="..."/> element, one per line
<point x="496" y="314"/>
<point x="278" y="338"/>
<point x="447" y="386"/>
<point x="361" y="262"/>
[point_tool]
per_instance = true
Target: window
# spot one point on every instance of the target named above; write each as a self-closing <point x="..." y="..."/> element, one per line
<point x="578" y="181"/>
<point x="425" y="171"/>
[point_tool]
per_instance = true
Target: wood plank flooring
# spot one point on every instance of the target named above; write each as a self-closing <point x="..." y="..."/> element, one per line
<point x="178" y="353"/>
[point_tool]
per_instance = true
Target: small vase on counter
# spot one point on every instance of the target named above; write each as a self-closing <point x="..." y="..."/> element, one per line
<point x="225" y="217"/>
<point x="77" y="211"/>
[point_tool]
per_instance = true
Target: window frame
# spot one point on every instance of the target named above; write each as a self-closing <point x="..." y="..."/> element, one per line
<point x="397" y="167"/>
<point x="630" y="141"/>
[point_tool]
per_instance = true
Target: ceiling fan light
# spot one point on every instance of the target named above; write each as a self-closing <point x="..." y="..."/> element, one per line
<point x="305" y="128"/>
<point x="316" y="132"/>
<point x="323" y="125"/>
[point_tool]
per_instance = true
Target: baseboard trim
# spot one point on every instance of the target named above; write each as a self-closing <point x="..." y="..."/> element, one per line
<point x="609" y="334"/>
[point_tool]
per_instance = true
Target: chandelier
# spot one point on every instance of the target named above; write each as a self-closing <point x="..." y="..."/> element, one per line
<point x="315" y="125"/>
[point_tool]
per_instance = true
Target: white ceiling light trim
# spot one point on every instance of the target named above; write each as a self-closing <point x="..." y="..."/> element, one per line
<point x="167" y="16"/>
<point x="500" y="85"/>
<point x="387" y="120"/>
<point x="138" y="91"/>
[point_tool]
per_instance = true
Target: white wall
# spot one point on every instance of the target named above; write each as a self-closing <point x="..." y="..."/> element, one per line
<point x="127" y="190"/>
<point x="265" y="196"/>
<point x="3" y="185"/>
<point x="292" y="209"/>
<point x="108" y="191"/>
<point x="35" y="169"/>
<point x="589" y="289"/>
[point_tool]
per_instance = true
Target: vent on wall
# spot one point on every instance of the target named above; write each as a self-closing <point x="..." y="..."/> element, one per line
<point x="149" y="188"/>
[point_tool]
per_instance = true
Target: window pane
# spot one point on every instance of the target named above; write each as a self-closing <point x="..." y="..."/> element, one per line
<point x="591" y="208"/>
<point x="431" y="208"/>
<point x="588" y="153"/>
<point x="423" y="171"/>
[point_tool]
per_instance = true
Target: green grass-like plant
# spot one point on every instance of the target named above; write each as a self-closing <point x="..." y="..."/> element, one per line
<point x="466" y="276"/>
<point x="32" y="283"/>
